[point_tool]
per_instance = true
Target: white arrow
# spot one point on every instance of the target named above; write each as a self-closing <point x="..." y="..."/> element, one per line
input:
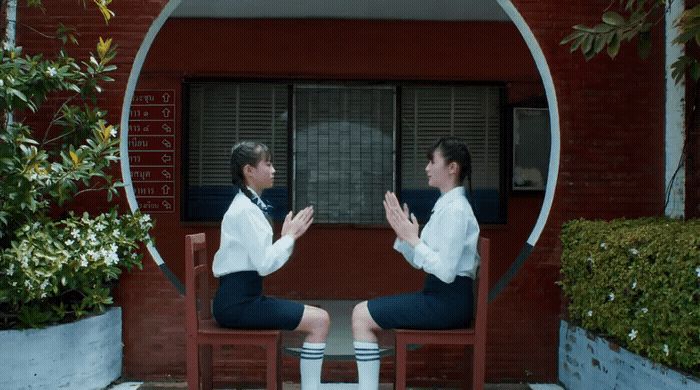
<point x="166" y="112"/>
<point x="166" y="97"/>
<point x="167" y="143"/>
<point x="166" y="174"/>
<point x="167" y="128"/>
<point x="166" y="158"/>
<point x="165" y="189"/>
<point x="167" y="205"/>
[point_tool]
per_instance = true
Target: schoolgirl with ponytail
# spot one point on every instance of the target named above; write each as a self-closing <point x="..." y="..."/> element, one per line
<point x="247" y="254"/>
<point x="446" y="250"/>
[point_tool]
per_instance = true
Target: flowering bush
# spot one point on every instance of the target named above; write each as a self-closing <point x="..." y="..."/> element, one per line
<point x="56" y="266"/>
<point x="638" y="282"/>
<point x="62" y="270"/>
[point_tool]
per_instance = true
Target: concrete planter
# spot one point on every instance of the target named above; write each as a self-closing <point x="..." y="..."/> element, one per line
<point x="590" y="362"/>
<point x="85" y="354"/>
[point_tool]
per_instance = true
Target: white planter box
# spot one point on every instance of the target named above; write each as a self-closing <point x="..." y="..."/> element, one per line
<point x="588" y="362"/>
<point x="85" y="354"/>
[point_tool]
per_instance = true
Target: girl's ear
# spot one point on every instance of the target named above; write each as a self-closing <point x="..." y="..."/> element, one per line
<point x="452" y="168"/>
<point x="247" y="170"/>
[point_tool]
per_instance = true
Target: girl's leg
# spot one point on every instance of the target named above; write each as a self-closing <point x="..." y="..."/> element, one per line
<point x="315" y="322"/>
<point x="366" y="347"/>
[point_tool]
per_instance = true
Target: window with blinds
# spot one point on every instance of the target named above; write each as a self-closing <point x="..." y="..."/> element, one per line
<point x="344" y="151"/>
<point x="221" y="114"/>
<point x="471" y="113"/>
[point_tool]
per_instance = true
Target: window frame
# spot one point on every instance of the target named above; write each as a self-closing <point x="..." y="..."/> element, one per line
<point x="505" y="139"/>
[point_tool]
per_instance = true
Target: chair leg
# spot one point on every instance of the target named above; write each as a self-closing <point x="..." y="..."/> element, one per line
<point x="192" y="364"/>
<point x="479" y="366"/>
<point x="400" y="366"/>
<point x="207" y="368"/>
<point x="272" y="356"/>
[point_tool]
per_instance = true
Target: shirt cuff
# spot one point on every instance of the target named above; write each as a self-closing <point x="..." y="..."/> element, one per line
<point x="422" y="252"/>
<point x="286" y="243"/>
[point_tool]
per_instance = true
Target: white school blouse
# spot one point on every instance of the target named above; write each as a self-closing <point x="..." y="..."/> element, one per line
<point x="246" y="241"/>
<point x="448" y="242"/>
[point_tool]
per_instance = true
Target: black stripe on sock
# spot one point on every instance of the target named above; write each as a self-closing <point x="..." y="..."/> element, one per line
<point x="311" y="357"/>
<point x="367" y="359"/>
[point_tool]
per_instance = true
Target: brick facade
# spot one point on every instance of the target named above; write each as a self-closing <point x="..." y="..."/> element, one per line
<point x="611" y="165"/>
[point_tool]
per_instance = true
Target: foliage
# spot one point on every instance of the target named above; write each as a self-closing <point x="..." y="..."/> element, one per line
<point x="62" y="270"/>
<point x="636" y="18"/>
<point x="637" y="281"/>
<point x="55" y="266"/>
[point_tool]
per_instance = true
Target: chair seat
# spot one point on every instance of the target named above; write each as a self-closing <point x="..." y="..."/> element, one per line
<point x="444" y="337"/>
<point x="211" y="332"/>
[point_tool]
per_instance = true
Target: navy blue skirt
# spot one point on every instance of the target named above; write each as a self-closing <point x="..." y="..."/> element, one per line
<point x="239" y="304"/>
<point x="439" y="306"/>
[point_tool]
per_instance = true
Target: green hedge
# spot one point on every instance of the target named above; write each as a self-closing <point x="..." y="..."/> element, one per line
<point x="637" y="282"/>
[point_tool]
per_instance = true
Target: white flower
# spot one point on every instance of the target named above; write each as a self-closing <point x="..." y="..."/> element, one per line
<point x="645" y="310"/>
<point x="92" y="237"/>
<point x="603" y="245"/>
<point x="666" y="350"/>
<point x="634" y="252"/>
<point x="44" y="284"/>
<point x="116" y="233"/>
<point x="113" y="132"/>
<point x="2" y="83"/>
<point x="697" y="271"/>
<point x="113" y="248"/>
<point x="83" y="260"/>
<point x="75" y="233"/>
<point x="27" y="284"/>
<point x="70" y="242"/>
<point x="14" y="284"/>
<point x="7" y="46"/>
<point x="611" y="296"/>
<point x="146" y="218"/>
<point x="51" y="71"/>
<point x="63" y="280"/>
<point x="590" y="313"/>
<point x="634" y="284"/>
<point x="11" y="270"/>
<point x="100" y="227"/>
<point x="633" y="334"/>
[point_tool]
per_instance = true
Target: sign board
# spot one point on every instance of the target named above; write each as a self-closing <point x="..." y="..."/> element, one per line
<point x="152" y="149"/>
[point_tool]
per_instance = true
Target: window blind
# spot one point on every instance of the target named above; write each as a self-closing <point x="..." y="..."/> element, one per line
<point x="471" y="113"/>
<point x="221" y="114"/>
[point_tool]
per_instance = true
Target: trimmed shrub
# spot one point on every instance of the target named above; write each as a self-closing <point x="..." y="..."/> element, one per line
<point x="637" y="282"/>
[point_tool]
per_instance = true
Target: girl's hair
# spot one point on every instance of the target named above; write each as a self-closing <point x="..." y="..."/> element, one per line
<point x="246" y="153"/>
<point x="455" y="150"/>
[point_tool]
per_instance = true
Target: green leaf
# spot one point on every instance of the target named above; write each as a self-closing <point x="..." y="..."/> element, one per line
<point x="614" y="45"/>
<point x="613" y="18"/>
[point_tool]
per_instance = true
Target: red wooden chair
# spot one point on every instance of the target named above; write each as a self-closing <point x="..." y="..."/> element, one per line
<point x="475" y="336"/>
<point x="204" y="332"/>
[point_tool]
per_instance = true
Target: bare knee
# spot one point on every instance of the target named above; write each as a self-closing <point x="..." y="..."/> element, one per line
<point x="361" y="320"/>
<point x="317" y="321"/>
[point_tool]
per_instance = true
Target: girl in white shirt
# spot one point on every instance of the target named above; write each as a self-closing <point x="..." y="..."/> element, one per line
<point x="247" y="253"/>
<point x="446" y="250"/>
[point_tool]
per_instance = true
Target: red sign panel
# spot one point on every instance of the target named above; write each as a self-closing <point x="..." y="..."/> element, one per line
<point x="145" y="174"/>
<point x="153" y="143"/>
<point x="146" y="97"/>
<point x="156" y="205"/>
<point x="152" y="149"/>
<point x="151" y="127"/>
<point x="158" y="189"/>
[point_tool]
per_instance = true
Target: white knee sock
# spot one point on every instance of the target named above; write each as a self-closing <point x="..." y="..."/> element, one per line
<point x="367" y="356"/>
<point x="310" y="365"/>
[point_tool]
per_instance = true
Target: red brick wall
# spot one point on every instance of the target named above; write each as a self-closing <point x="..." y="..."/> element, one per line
<point x="611" y="166"/>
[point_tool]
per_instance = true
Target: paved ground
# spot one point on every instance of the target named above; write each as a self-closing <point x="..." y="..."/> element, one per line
<point x="324" y="386"/>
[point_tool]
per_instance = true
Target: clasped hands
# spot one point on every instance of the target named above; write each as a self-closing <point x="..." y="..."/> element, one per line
<point x="404" y="223"/>
<point x="296" y="225"/>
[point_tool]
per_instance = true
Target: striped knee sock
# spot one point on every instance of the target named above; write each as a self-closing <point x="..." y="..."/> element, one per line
<point x="310" y="365"/>
<point x="367" y="356"/>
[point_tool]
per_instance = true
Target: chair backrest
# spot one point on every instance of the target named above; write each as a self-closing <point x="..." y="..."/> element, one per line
<point x="482" y="281"/>
<point x="196" y="281"/>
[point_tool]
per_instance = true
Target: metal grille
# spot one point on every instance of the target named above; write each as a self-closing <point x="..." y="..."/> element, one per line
<point x="344" y="151"/>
